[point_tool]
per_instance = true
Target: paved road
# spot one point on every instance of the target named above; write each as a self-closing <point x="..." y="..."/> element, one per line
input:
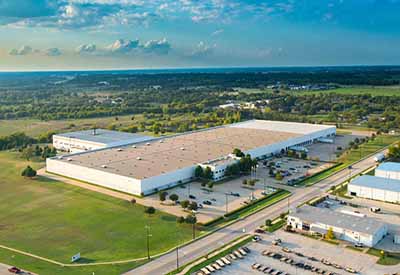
<point x="188" y="253"/>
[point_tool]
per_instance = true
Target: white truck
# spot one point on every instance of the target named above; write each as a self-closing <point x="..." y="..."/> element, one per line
<point x="379" y="157"/>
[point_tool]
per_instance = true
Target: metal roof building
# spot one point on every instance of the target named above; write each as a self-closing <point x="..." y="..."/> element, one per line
<point x="160" y="163"/>
<point x="88" y="140"/>
<point x="367" y="231"/>
<point x="388" y="170"/>
<point x="375" y="188"/>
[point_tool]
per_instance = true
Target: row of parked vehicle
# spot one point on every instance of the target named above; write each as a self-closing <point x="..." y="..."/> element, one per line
<point x="268" y="270"/>
<point x="306" y="266"/>
<point x="239" y="253"/>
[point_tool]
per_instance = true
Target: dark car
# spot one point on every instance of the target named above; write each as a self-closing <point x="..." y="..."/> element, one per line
<point x="192" y="197"/>
<point x="14" y="270"/>
<point x="259" y="230"/>
<point x="207" y="202"/>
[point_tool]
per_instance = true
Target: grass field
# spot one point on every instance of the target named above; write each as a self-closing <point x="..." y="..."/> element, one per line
<point x="388" y="259"/>
<point x="55" y="220"/>
<point x="374" y="91"/>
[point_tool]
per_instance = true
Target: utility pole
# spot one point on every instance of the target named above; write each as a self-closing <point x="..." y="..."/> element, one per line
<point x="177" y="257"/>
<point x="148" y="240"/>
<point x="226" y="203"/>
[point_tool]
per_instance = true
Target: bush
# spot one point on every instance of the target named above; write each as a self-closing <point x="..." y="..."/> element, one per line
<point x="28" y="172"/>
<point x="193" y="206"/>
<point x="162" y="195"/>
<point x="191" y="219"/>
<point x="185" y="203"/>
<point x="210" y="185"/>
<point x="268" y="222"/>
<point x="180" y="219"/>
<point x="150" y="210"/>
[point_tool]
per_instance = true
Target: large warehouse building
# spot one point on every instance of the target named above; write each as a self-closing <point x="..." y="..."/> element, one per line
<point x="364" y="230"/>
<point x="375" y="188"/>
<point x="88" y="140"/>
<point x="390" y="170"/>
<point x="160" y="163"/>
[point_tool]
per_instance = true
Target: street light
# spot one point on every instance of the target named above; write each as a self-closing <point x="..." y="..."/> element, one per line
<point x="148" y="240"/>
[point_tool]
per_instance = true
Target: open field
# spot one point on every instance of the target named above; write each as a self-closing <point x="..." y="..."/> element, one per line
<point x="55" y="220"/>
<point x="374" y="91"/>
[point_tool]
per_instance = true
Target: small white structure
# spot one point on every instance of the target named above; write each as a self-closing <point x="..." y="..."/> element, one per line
<point x="390" y="170"/>
<point x="80" y="141"/>
<point x="363" y="230"/>
<point x="379" y="157"/>
<point x="375" y="188"/>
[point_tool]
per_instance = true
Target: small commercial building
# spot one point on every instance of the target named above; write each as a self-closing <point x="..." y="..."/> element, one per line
<point x="351" y="228"/>
<point x="390" y="170"/>
<point x="375" y="188"/>
<point x="88" y="140"/>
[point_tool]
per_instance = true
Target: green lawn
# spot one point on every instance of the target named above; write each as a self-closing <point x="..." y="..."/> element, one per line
<point x="388" y="259"/>
<point x="55" y="220"/>
<point x="354" y="155"/>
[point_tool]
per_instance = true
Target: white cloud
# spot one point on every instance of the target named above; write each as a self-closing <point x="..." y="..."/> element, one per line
<point x="86" y="48"/>
<point x="24" y="50"/>
<point x="53" y="52"/>
<point x="202" y="50"/>
<point x="123" y="46"/>
<point x="217" y="32"/>
<point x="161" y="46"/>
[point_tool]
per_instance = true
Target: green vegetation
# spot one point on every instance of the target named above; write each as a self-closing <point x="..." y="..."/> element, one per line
<point x="56" y="220"/>
<point x="385" y="258"/>
<point x="368" y="90"/>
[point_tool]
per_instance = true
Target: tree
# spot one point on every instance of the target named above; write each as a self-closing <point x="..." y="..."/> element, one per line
<point x="185" y="204"/>
<point x="329" y="234"/>
<point x="282" y="216"/>
<point x="303" y="155"/>
<point x="162" y="195"/>
<point x="198" y="172"/>
<point x="191" y="219"/>
<point x="193" y="206"/>
<point x="203" y="184"/>
<point x="28" y="152"/>
<point x="251" y="182"/>
<point x="244" y="181"/>
<point x="237" y="152"/>
<point x="180" y="219"/>
<point x="150" y="210"/>
<point x="268" y="222"/>
<point x="278" y="176"/>
<point x="210" y="184"/>
<point x="28" y="172"/>
<point x="174" y="197"/>
<point x="208" y="174"/>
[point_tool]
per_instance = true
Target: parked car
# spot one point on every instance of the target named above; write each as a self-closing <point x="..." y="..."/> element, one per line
<point x="207" y="202"/>
<point x="14" y="270"/>
<point x="259" y="230"/>
<point x="200" y="206"/>
<point x="192" y="197"/>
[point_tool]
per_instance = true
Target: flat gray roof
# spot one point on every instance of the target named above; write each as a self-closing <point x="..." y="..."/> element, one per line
<point x="389" y="166"/>
<point x="328" y="217"/>
<point x="377" y="183"/>
<point x="181" y="151"/>
<point x="106" y="136"/>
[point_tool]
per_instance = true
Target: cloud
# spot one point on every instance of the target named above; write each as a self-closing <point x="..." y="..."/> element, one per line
<point x="86" y="48"/>
<point x="217" y="32"/>
<point x="53" y="52"/>
<point x="161" y="46"/>
<point x="202" y="50"/>
<point x="123" y="46"/>
<point x="24" y="50"/>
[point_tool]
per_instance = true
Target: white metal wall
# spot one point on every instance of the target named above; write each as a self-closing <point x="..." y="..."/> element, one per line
<point x="374" y="193"/>
<point x="113" y="181"/>
<point x="394" y="175"/>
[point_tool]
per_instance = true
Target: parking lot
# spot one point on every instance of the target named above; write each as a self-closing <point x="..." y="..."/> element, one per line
<point x="307" y="251"/>
<point x="389" y="214"/>
<point x="291" y="169"/>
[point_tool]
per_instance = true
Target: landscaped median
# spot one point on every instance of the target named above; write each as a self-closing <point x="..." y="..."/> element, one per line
<point x="249" y="209"/>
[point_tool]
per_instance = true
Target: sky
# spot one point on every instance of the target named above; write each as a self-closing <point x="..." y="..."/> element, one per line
<point x="129" y="34"/>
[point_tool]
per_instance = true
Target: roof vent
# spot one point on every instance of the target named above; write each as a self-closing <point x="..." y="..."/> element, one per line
<point x="104" y="166"/>
<point x="119" y="149"/>
<point x="182" y="148"/>
<point x="148" y="143"/>
<point x="138" y="158"/>
<point x="161" y="141"/>
<point x="69" y="159"/>
<point x="133" y="146"/>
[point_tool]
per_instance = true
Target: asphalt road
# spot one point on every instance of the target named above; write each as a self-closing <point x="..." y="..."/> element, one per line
<point x="190" y="252"/>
